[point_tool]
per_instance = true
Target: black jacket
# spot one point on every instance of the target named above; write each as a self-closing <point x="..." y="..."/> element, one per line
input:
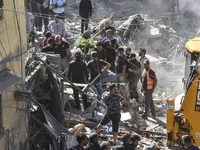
<point x="77" y="72"/>
<point x="92" y="146"/>
<point x="85" y="8"/>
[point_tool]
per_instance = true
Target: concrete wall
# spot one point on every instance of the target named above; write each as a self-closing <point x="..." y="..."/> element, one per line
<point x="14" y="120"/>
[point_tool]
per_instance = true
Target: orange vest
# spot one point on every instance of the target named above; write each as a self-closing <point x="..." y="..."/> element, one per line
<point x="149" y="80"/>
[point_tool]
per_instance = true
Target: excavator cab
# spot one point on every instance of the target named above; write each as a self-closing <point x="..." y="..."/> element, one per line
<point x="183" y="113"/>
<point x="191" y="62"/>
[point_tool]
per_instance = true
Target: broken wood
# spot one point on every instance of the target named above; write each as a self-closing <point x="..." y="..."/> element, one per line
<point x="141" y="131"/>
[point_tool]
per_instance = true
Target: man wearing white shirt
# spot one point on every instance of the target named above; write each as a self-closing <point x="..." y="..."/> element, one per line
<point x="57" y="26"/>
<point x="58" y="7"/>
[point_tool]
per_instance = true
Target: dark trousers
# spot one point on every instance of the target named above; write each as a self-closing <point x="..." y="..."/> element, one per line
<point x="149" y="104"/>
<point x="46" y="22"/>
<point x="133" y="87"/>
<point x="84" y="24"/>
<point x="76" y="98"/>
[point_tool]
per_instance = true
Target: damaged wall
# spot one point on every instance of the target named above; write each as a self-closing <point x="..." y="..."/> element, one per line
<point x="13" y="131"/>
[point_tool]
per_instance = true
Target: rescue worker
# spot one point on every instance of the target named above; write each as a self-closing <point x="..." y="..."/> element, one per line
<point x="149" y="82"/>
<point x="85" y="12"/>
<point x="85" y="44"/>
<point x="62" y="48"/>
<point x="78" y="74"/>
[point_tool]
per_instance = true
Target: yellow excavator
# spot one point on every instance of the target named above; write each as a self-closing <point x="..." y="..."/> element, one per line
<point x="183" y="113"/>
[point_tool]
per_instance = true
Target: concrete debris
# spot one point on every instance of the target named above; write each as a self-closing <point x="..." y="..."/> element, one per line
<point x="142" y="24"/>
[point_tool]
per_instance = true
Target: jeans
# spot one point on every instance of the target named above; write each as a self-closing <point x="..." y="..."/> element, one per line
<point x="110" y="79"/>
<point x="84" y="23"/>
<point x="149" y="103"/>
<point x="98" y="87"/>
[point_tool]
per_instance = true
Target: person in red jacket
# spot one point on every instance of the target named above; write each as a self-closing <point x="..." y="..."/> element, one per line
<point x="48" y="35"/>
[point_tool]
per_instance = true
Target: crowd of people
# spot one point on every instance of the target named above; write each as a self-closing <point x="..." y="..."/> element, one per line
<point x="98" y="59"/>
<point x="130" y="142"/>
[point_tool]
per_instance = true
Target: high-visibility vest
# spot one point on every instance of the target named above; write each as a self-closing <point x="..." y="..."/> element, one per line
<point x="149" y="80"/>
<point x="82" y="42"/>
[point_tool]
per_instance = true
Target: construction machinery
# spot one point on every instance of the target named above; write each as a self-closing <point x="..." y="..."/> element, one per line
<point x="183" y="113"/>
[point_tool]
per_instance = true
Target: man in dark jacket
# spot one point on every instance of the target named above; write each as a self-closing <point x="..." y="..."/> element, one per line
<point x="78" y="74"/>
<point x="126" y="145"/>
<point x="97" y="67"/>
<point x="85" y="12"/>
<point x="93" y="144"/>
<point x="82" y="141"/>
<point x="62" y="48"/>
<point x="133" y="75"/>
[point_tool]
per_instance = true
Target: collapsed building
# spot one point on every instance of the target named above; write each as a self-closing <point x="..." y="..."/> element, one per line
<point x="49" y="95"/>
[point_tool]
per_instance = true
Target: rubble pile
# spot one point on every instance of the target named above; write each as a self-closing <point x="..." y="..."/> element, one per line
<point x="165" y="49"/>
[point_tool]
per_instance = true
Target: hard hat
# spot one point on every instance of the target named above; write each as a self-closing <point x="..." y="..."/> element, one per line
<point x="58" y="38"/>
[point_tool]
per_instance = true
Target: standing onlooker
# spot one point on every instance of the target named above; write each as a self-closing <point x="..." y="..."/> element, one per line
<point x="142" y="53"/>
<point x="101" y="52"/>
<point x="85" y="12"/>
<point x="57" y="26"/>
<point x="93" y="144"/>
<point x="149" y="82"/>
<point x="82" y="141"/>
<point x="58" y="7"/>
<point x="30" y="22"/>
<point x="133" y="75"/>
<point x="95" y="66"/>
<point x="135" y="140"/>
<point x="187" y="141"/>
<point x="33" y="8"/>
<point x="102" y="32"/>
<point x="121" y="65"/>
<point x="126" y="143"/>
<point x="62" y="48"/>
<point x="43" y="8"/>
<point x="112" y="101"/>
<point x="85" y="44"/>
<point x="110" y="45"/>
<point x="78" y="74"/>
<point x="127" y="52"/>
